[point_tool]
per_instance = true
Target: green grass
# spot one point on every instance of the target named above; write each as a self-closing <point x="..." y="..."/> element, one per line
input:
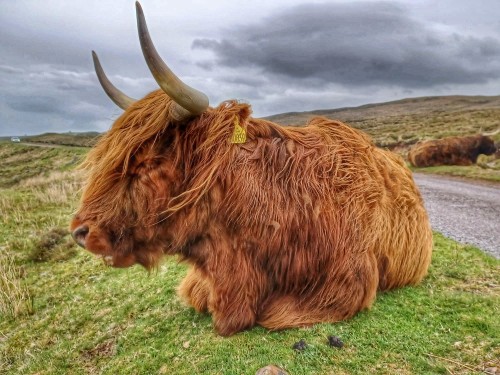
<point x="88" y="318"/>
<point x="472" y="172"/>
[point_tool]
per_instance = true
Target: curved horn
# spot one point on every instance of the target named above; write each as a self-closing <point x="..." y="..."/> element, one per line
<point x="192" y="101"/>
<point x="119" y="98"/>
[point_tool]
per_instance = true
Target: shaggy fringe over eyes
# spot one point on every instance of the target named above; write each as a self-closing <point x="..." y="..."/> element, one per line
<point x="145" y="121"/>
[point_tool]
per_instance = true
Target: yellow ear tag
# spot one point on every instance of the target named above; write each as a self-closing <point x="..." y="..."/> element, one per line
<point x="239" y="134"/>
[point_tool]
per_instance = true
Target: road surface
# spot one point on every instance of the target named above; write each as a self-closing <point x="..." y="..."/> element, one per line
<point x="468" y="212"/>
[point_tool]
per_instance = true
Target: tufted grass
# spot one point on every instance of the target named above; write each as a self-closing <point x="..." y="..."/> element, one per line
<point x="90" y="319"/>
<point x="15" y="298"/>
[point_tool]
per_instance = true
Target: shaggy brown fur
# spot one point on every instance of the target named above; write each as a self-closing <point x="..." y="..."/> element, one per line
<point x="451" y="151"/>
<point x="296" y="226"/>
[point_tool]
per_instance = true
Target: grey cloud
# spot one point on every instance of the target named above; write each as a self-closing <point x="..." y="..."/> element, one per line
<point x="32" y="104"/>
<point x="51" y="97"/>
<point x="10" y="69"/>
<point x="357" y="44"/>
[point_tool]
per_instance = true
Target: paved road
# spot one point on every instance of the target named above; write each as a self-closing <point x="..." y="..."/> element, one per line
<point x="468" y="212"/>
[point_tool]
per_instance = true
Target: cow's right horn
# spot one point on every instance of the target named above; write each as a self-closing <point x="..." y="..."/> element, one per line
<point x="119" y="98"/>
<point x="191" y="102"/>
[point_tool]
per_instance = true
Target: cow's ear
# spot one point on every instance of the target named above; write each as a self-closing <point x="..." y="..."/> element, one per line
<point x="245" y="112"/>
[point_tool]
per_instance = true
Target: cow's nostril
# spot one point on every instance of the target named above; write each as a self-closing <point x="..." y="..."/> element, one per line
<point x="80" y="234"/>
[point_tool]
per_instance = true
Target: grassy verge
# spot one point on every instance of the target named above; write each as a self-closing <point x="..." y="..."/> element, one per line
<point x="487" y="168"/>
<point x="20" y="162"/>
<point x="472" y="172"/>
<point x="87" y="318"/>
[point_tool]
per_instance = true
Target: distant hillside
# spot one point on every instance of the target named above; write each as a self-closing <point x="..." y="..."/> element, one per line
<point x="87" y="139"/>
<point x="407" y="121"/>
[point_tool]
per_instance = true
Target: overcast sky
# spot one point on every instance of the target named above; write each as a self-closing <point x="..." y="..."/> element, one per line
<point x="280" y="55"/>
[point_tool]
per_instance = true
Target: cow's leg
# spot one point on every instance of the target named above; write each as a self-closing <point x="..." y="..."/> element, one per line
<point x="195" y="290"/>
<point x="236" y="295"/>
<point x="232" y="311"/>
<point x="228" y="301"/>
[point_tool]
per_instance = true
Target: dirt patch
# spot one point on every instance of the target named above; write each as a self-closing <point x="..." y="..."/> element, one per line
<point x="104" y="349"/>
<point x="91" y="357"/>
<point x="55" y="245"/>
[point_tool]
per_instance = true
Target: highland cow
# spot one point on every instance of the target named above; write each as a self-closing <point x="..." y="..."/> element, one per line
<point x="281" y="227"/>
<point x="451" y="151"/>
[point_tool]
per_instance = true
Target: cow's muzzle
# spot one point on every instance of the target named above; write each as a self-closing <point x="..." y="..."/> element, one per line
<point x="80" y="235"/>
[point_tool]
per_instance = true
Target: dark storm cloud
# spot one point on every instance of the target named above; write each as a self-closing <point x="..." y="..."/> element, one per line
<point x="357" y="44"/>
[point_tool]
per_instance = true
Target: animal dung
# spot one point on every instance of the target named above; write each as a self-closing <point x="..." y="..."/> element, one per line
<point x="300" y="345"/>
<point x="335" y="342"/>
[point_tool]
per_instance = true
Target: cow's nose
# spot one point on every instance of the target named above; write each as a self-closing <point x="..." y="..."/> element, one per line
<point x="80" y="234"/>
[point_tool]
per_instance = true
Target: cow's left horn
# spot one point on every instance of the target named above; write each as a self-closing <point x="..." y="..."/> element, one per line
<point x="191" y="102"/>
<point x="119" y="98"/>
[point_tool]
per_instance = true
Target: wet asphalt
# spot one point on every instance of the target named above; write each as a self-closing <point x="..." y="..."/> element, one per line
<point x="466" y="211"/>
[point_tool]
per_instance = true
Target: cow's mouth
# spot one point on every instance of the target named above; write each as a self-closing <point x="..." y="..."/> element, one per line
<point x="107" y="260"/>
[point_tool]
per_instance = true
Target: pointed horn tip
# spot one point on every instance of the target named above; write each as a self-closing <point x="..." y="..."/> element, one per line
<point x="95" y="59"/>
<point x="138" y="7"/>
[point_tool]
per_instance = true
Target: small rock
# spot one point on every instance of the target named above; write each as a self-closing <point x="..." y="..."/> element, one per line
<point x="335" y="342"/>
<point x="491" y="370"/>
<point x="299" y="346"/>
<point x="185" y="344"/>
<point x="271" y="370"/>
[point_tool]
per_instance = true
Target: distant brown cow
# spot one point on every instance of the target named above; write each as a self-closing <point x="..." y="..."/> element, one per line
<point x="451" y="151"/>
<point x="281" y="227"/>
